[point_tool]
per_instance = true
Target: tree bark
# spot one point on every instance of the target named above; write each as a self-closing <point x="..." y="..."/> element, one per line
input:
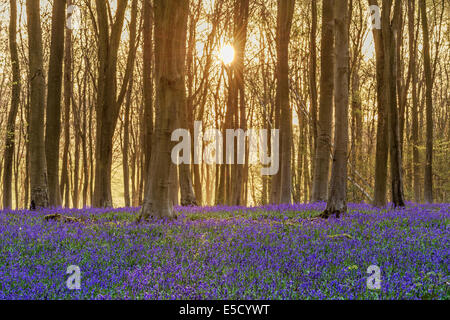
<point x="125" y="147"/>
<point x="414" y="111"/>
<point x="15" y="100"/>
<point x="38" y="167"/>
<point x="322" y="154"/>
<point x="284" y="24"/>
<point x="53" y="124"/>
<point x="68" y="92"/>
<point x="170" y="52"/>
<point x="148" y="86"/>
<point x="241" y="14"/>
<point x="382" y="144"/>
<point x="313" y="75"/>
<point x="337" y="202"/>
<point x="390" y="30"/>
<point x="108" y="102"/>
<point x="428" y="183"/>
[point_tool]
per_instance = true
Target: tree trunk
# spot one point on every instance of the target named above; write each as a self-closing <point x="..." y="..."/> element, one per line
<point x="38" y="167"/>
<point x="428" y="183"/>
<point x="389" y="30"/>
<point x="414" y="111"/>
<point x="337" y="203"/>
<point x="65" y="186"/>
<point x="185" y="177"/>
<point x="284" y="23"/>
<point x="107" y="106"/>
<point x="53" y="124"/>
<point x="382" y="145"/>
<point x="15" y="100"/>
<point x="188" y="198"/>
<point x="126" y="143"/>
<point x="148" y="86"/>
<point x="84" y="144"/>
<point x="128" y="102"/>
<point x="313" y="75"/>
<point x="241" y="13"/>
<point x="170" y="52"/>
<point x="322" y="154"/>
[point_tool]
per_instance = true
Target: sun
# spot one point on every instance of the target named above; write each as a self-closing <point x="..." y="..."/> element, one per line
<point x="226" y="54"/>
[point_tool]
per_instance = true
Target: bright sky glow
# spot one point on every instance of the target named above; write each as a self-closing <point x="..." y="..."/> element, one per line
<point x="226" y="54"/>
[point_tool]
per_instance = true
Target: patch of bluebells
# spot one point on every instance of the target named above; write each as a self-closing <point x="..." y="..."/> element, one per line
<point x="269" y="252"/>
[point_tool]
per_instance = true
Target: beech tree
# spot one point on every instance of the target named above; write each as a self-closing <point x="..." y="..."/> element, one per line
<point x="38" y="168"/>
<point x="337" y="197"/>
<point x="147" y="79"/>
<point x="170" y="55"/>
<point x="390" y="31"/>
<point x="15" y="100"/>
<point x="323" y="146"/>
<point x="428" y="185"/>
<point x="283" y="180"/>
<point x="108" y="101"/>
<point x="382" y="123"/>
<point x="415" y="102"/>
<point x="53" y="111"/>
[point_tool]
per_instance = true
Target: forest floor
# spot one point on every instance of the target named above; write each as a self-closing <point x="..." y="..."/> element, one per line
<point x="270" y="252"/>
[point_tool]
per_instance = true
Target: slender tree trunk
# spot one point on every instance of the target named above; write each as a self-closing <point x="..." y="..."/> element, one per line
<point x="188" y="198"/>
<point x="108" y="105"/>
<point x="382" y="145"/>
<point x="337" y="202"/>
<point x="128" y="102"/>
<point x="389" y="37"/>
<point x="148" y="86"/>
<point x="414" y="111"/>
<point x="26" y="181"/>
<point x="241" y="13"/>
<point x="84" y="146"/>
<point x="38" y="167"/>
<point x="126" y="145"/>
<point x="170" y="51"/>
<point x="284" y="23"/>
<point x="15" y="100"/>
<point x="428" y="184"/>
<point x="313" y="74"/>
<point x="356" y="120"/>
<point x="53" y="124"/>
<point x="65" y="186"/>
<point x="185" y="177"/>
<point x="322" y="154"/>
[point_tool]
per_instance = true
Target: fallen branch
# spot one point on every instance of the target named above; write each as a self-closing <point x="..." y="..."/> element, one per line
<point x="60" y="218"/>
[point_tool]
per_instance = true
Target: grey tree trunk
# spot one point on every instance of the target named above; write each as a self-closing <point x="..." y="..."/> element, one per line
<point x="108" y="102"/>
<point x="126" y="142"/>
<point x="68" y="92"/>
<point x="188" y="197"/>
<point x="170" y="55"/>
<point x="38" y="167"/>
<point x="148" y="85"/>
<point x="337" y="202"/>
<point x="428" y="184"/>
<point x="389" y="30"/>
<point x="414" y="110"/>
<point x="284" y="23"/>
<point x="53" y="112"/>
<point x="382" y="145"/>
<point x="313" y="75"/>
<point x="126" y="139"/>
<point x="322" y="153"/>
<point x="15" y="100"/>
<point x="241" y="14"/>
